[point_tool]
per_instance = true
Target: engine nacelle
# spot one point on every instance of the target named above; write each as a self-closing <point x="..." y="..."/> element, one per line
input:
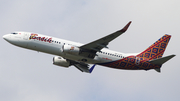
<point x="71" y="49"/>
<point x="59" y="61"/>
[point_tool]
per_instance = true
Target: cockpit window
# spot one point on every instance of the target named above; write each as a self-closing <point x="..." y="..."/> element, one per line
<point x="14" y="33"/>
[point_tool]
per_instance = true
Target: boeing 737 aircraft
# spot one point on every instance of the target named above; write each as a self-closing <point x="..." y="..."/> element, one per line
<point x="96" y="52"/>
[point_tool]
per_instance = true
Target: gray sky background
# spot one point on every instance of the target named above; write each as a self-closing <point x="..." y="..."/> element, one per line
<point x="27" y="75"/>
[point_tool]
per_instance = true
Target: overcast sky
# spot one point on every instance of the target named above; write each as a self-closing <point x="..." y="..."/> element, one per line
<point x="27" y="75"/>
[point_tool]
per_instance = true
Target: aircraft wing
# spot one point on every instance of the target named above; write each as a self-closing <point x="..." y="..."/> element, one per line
<point x="103" y="42"/>
<point x="83" y="67"/>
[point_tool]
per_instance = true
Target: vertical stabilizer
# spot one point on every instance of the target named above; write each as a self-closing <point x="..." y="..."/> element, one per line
<point x="157" y="49"/>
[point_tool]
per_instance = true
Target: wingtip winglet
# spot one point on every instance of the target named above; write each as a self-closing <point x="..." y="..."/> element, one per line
<point x="126" y="27"/>
<point x="91" y="69"/>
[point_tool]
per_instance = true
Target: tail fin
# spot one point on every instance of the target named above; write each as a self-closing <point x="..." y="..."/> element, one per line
<point x="157" y="49"/>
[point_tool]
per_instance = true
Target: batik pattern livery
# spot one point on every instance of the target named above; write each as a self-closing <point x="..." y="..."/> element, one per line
<point x="141" y="61"/>
<point x="131" y="63"/>
<point x="156" y="50"/>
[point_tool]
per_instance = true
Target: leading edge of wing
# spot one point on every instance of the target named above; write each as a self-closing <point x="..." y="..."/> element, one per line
<point x="97" y="45"/>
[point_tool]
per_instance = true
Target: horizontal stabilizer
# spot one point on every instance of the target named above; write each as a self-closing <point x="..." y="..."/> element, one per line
<point x="162" y="60"/>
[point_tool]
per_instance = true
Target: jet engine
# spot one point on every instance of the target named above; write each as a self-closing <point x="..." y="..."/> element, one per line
<point x="71" y="49"/>
<point x="59" y="61"/>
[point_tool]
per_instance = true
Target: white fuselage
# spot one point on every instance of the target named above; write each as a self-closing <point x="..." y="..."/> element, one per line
<point x="42" y="43"/>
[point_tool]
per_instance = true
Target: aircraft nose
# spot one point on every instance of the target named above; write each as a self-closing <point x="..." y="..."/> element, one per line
<point x="5" y="37"/>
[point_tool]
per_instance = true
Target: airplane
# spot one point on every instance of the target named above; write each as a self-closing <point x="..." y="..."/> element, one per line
<point x="70" y="53"/>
